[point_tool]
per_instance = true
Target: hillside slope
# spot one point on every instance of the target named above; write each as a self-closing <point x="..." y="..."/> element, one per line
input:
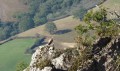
<point x="65" y="23"/>
<point x="9" y="7"/>
<point x="68" y="23"/>
<point x="61" y="40"/>
<point x="112" y="6"/>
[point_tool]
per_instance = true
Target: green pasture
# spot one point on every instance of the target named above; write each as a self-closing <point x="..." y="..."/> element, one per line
<point x="13" y="52"/>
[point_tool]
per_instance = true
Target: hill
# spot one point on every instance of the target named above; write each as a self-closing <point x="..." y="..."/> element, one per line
<point x="111" y="5"/>
<point x="66" y="24"/>
<point x="39" y="13"/>
<point x="97" y="48"/>
<point x="9" y="7"/>
<point x="13" y="52"/>
<point x="61" y="40"/>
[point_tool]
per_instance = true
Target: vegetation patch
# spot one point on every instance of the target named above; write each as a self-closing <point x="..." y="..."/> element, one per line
<point x="21" y="66"/>
<point x="13" y="52"/>
<point x="43" y="63"/>
<point x="50" y="27"/>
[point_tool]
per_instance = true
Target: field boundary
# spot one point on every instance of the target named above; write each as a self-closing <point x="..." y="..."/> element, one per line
<point x="16" y="37"/>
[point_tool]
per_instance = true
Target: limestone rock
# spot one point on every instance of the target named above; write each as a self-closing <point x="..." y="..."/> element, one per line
<point x="47" y="69"/>
<point x="42" y="53"/>
<point x="102" y="57"/>
<point x="59" y="62"/>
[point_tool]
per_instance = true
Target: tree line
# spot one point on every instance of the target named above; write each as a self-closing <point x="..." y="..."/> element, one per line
<point x="40" y="12"/>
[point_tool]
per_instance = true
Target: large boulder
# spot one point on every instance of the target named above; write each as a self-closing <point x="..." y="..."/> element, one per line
<point x="43" y="53"/>
<point x="61" y="62"/>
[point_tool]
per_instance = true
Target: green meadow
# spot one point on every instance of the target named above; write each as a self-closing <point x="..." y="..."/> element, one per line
<point x="13" y="52"/>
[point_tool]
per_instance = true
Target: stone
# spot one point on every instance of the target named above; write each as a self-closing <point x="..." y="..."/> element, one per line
<point x="61" y="62"/>
<point x="47" y="69"/>
<point x="42" y="53"/>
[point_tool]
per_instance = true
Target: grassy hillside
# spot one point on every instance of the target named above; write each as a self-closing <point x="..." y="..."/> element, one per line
<point x="40" y="12"/>
<point x="68" y="23"/>
<point x="65" y="23"/>
<point x="12" y="53"/>
<point x="9" y="7"/>
<point x="112" y="5"/>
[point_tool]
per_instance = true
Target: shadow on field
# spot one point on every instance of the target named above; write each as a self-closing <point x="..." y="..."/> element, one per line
<point x="62" y="31"/>
<point x="37" y="43"/>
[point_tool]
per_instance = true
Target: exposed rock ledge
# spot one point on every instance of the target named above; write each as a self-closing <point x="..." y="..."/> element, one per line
<point x="104" y="52"/>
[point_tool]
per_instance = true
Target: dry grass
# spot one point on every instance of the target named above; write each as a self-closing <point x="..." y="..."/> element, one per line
<point x="62" y="24"/>
<point x="111" y="5"/>
<point x="59" y="39"/>
<point x="9" y="7"/>
<point x="70" y="22"/>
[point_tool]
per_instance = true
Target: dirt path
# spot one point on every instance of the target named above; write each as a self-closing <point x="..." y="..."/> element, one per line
<point x="69" y="45"/>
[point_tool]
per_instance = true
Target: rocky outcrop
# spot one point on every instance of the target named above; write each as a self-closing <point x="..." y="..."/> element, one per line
<point x="105" y="53"/>
<point x="61" y="62"/>
<point x="47" y="58"/>
<point x="42" y="53"/>
<point x="102" y="57"/>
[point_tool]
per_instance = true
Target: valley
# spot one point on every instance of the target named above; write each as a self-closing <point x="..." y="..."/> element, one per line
<point x="13" y="52"/>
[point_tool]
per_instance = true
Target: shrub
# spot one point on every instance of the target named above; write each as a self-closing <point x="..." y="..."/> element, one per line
<point x="117" y="63"/>
<point x="43" y="63"/>
<point x="21" y="66"/>
<point x="81" y="59"/>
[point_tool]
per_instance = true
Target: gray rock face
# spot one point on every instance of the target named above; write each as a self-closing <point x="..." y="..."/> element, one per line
<point x="60" y="62"/>
<point x="102" y="58"/>
<point x="42" y="53"/>
<point x="47" y="69"/>
<point x="38" y="69"/>
<point x="48" y="52"/>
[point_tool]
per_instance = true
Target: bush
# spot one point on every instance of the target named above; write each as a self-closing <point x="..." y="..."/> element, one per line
<point x="81" y="59"/>
<point x="80" y="13"/>
<point x="117" y="63"/>
<point x="50" y="27"/>
<point x="7" y="29"/>
<point x="43" y="63"/>
<point x="25" y="23"/>
<point x="21" y="66"/>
